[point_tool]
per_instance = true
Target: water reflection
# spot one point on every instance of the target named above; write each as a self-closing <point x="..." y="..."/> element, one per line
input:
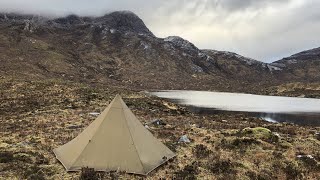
<point x="303" y="111"/>
<point x="298" y="118"/>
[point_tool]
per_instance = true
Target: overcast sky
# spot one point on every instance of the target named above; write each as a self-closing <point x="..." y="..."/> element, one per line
<point x="266" y="30"/>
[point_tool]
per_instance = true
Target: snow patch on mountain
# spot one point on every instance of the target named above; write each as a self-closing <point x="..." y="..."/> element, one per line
<point x="309" y="55"/>
<point x="112" y="31"/>
<point x="196" y="68"/>
<point x="189" y="49"/>
<point x="249" y="61"/>
<point x="273" y="68"/>
<point x="178" y="41"/>
<point x="145" y="45"/>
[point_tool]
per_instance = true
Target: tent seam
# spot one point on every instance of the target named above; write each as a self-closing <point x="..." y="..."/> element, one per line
<point x="132" y="139"/>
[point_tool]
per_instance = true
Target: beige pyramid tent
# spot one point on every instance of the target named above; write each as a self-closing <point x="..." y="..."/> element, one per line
<point x="116" y="140"/>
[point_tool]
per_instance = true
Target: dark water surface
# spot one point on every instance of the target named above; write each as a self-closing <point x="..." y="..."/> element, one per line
<point x="302" y="111"/>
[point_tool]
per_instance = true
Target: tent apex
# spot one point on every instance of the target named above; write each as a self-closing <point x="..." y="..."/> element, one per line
<point x="118" y="96"/>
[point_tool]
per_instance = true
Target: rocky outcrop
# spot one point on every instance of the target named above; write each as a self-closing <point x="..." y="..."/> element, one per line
<point x="123" y="21"/>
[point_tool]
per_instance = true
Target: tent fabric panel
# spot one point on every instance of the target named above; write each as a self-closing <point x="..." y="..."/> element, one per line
<point x="116" y="140"/>
<point x="111" y="147"/>
<point x="152" y="152"/>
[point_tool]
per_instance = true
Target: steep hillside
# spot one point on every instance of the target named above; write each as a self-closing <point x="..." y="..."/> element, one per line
<point x="117" y="49"/>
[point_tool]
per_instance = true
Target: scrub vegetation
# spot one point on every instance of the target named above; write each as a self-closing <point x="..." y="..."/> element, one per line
<point x="38" y="116"/>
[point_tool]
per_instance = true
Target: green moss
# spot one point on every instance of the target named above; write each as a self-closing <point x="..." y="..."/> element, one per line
<point x="257" y="132"/>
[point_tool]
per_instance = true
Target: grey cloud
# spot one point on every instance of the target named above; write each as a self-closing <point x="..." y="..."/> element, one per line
<point x="80" y="7"/>
<point x="233" y="5"/>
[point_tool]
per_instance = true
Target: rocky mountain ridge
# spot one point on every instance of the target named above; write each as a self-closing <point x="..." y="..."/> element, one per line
<point x="119" y="49"/>
<point x="123" y="21"/>
<point x="304" y="66"/>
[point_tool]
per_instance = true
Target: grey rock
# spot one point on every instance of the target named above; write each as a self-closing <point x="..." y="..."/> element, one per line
<point x="158" y="122"/>
<point x="184" y="139"/>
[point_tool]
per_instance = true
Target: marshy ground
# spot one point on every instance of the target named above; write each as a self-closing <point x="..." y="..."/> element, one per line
<point x="38" y="116"/>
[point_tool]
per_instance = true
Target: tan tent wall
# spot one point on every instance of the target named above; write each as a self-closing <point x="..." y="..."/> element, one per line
<point x="116" y="140"/>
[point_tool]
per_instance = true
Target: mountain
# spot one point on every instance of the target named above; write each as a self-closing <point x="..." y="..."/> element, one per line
<point x="118" y="49"/>
<point x="303" y="66"/>
<point x="237" y="66"/>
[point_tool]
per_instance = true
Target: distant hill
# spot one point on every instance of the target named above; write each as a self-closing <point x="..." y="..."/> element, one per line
<point x="303" y="66"/>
